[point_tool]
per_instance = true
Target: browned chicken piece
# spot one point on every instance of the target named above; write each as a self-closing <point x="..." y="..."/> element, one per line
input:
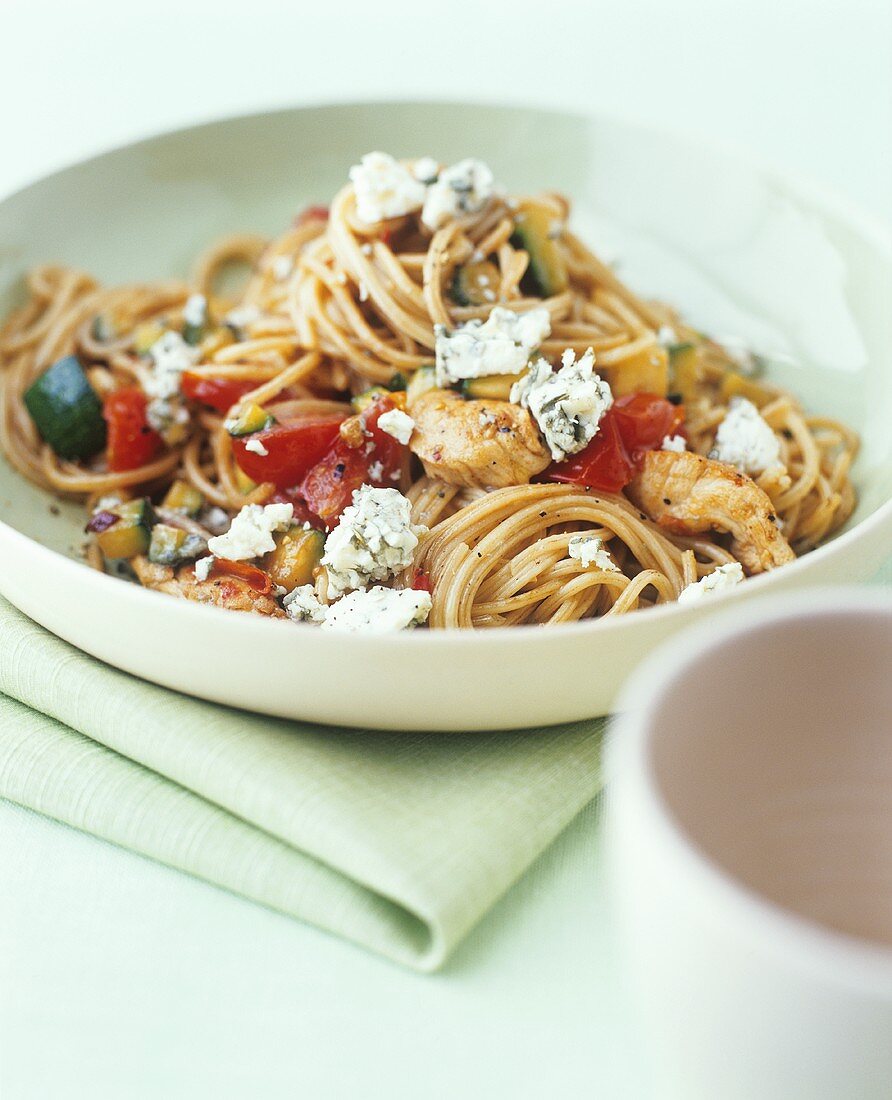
<point x="690" y="494"/>
<point x="233" y="593"/>
<point x="488" y="444"/>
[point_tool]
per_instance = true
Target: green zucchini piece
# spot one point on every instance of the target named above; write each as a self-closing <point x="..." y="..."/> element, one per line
<point x="183" y="497"/>
<point x="296" y="556"/>
<point x="124" y="531"/>
<point x="424" y="379"/>
<point x="533" y="225"/>
<point x="250" y="419"/>
<point x="172" y="546"/>
<point x="492" y="387"/>
<point x="475" y="284"/>
<point x="196" y="322"/>
<point x="397" y="382"/>
<point x="146" y="335"/>
<point x="66" y="410"/>
<point x="362" y="400"/>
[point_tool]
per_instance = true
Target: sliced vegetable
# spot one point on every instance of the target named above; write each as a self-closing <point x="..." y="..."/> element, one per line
<point x="66" y="410"/>
<point x="217" y="393"/>
<point x="292" y="448"/>
<point x="172" y="546"/>
<point x="131" y="442"/>
<point x="297" y="554"/>
<point x="196" y="323"/>
<point x="367" y="397"/>
<point x="146" y="335"/>
<point x="686" y="369"/>
<point x="424" y="379"/>
<point x="534" y="230"/>
<point x="244" y="483"/>
<point x="217" y="338"/>
<point x="635" y="424"/>
<point x="397" y="382"/>
<point x="252" y="576"/>
<point x="475" y="284"/>
<point x="645" y="372"/>
<point x="125" y="530"/>
<point x="492" y="387"/>
<point x="185" y="498"/>
<point x="378" y="459"/>
<point x="250" y="419"/>
<point x="737" y="385"/>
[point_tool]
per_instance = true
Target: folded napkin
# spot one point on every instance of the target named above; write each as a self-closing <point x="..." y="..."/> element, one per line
<point x="397" y="841"/>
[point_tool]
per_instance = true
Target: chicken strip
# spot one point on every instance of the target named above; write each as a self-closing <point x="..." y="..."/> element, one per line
<point x="690" y="494"/>
<point x="232" y="593"/>
<point x="487" y="444"/>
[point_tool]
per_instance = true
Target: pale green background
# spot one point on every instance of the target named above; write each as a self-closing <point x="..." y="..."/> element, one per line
<point x="122" y="978"/>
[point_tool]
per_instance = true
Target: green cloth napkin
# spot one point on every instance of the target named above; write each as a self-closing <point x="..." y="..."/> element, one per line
<point x="397" y="841"/>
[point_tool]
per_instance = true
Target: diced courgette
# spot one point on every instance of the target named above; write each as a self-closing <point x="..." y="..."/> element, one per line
<point x="185" y="498"/>
<point x="146" y="335"/>
<point x="196" y="322"/>
<point x="492" y="387"/>
<point x="397" y="382"/>
<point x="645" y="372"/>
<point x="362" y="400"/>
<point x="66" y="410"/>
<point x="171" y="545"/>
<point x="245" y="484"/>
<point x="424" y="379"/>
<point x="250" y="419"/>
<point x="685" y="366"/>
<point x="475" y="284"/>
<point x="297" y="554"/>
<point x="534" y="231"/>
<point x="738" y="385"/>
<point x="125" y="530"/>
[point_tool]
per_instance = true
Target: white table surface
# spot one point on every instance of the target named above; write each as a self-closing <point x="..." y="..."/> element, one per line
<point x="119" y="977"/>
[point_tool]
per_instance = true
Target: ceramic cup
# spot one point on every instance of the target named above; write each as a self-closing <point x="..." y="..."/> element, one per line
<point x="750" y="848"/>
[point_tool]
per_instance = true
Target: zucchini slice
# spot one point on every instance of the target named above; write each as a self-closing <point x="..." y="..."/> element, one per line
<point x="185" y="498"/>
<point x="492" y="387"/>
<point x="297" y="554"/>
<point x="66" y="410"/>
<point x="146" y="335"/>
<point x="424" y="379"/>
<point x="170" y="545"/>
<point x="125" y="530"/>
<point x="362" y="400"/>
<point x="533" y="231"/>
<point x="475" y="284"/>
<point x="250" y="419"/>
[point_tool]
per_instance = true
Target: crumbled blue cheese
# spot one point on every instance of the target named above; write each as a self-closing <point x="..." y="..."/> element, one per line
<point x="378" y="610"/>
<point x="203" y="567"/>
<point x="566" y="404"/>
<point x="589" y="550"/>
<point x="303" y="606"/>
<point x="195" y="311"/>
<point x="464" y="188"/>
<point x="166" y="413"/>
<point x="255" y="446"/>
<point x="374" y="539"/>
<point x="398" y="424"/>
<point x="384" y="188"/>
<point x="251" y="532"/>
<point x="426" y="170"/>
<point x="502" y="344"/>
<point x="676" y="443"/>
<point x="745" y="440"/>
<point x="721" y="579"/>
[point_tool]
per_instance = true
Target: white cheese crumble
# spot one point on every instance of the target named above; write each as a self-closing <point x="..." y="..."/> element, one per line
<point x="251" y="532"/>
<point x="165" y="412"/>
<point x="566" y="404"/>
<point x="374" y="539"/>
<point x="464" y="188"/>
<point x="502" y="344"/>
<point x="726" y="576"/>
<point x="256" y="447"/>
<point x="242" y="316"/>
<point x="676" y="443"/>
<point x="282" y="268"/>
<point x="384" y="188"/>
<point x="203" y="567"/>
<point x="303" y="606"/>
<point x="745" y="440"/>
<point x="589" y="550"/>
<point x="379" y="610"/>
<point x="426" y="170"/>
<point x="195" y="311"/>
<point x="398" y="424"/>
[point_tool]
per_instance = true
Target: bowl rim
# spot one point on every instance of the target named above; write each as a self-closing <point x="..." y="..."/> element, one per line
<point x="840" y="956"/>
<point x="799" y="188"/>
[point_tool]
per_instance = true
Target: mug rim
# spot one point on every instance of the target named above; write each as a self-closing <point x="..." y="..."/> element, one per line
<point x="842" y="957"/>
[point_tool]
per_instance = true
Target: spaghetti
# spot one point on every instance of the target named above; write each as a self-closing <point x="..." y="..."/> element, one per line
<point x="337" y="305"/>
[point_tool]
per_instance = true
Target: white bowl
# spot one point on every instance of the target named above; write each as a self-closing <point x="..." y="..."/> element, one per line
<point x="742" y="251"/>
<point x="749" y="807"/>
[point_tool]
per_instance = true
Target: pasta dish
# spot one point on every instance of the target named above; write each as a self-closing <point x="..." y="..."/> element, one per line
<point x="427" y="403"/>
